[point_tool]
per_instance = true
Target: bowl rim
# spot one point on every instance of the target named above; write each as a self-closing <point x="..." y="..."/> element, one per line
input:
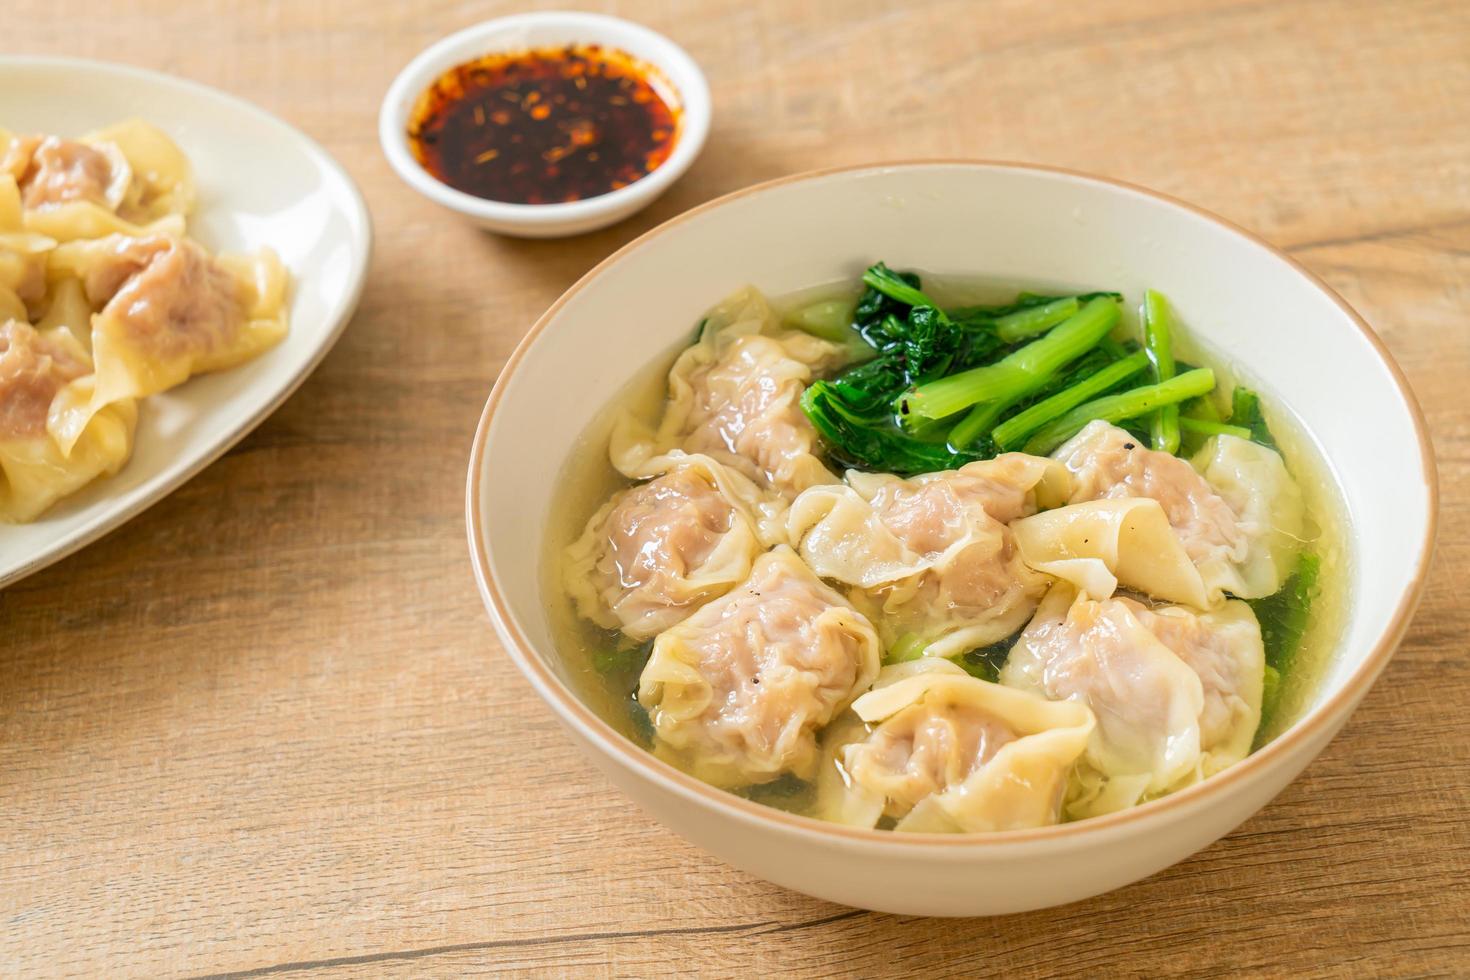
<point x="571" y="709"/>
<point x="679" y="69"/>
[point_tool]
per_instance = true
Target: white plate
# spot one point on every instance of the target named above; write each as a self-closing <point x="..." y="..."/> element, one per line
<point x="260" y="182"/>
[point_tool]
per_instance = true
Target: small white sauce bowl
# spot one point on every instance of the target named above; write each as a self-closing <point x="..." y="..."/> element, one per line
<point x="540" y="30"/>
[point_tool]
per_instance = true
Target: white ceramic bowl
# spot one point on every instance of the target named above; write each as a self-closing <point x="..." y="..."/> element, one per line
<point x="535" y="30"/>
<point x="1253" y="305"/>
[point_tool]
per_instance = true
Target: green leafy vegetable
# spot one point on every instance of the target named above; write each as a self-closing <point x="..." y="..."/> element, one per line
<point x="945" y="387"/>
<point x="1012" y="433"/>
<point x="874" y="306"/>
<point x="1203" y="408"/>
<point x="977" y="347"/>
<point x="972" y="427"/>
<point x="1128" y="404"/>
<point x="930" y="343"/>
<point x="914" y="339"/>
<point x="1246" y="413"/>
<point x="1158" y="341"/>
<point x="830" y="319"/>
<point x="903" y="288"/>
<point x="620" y="664"/>
<point x="988" y="315"/>
<point x="858" y="440"/>
<point x="986" y="662"/>
<point x="1029" y="322"/>
<point x="1019" y="373"/>
<point x="641" y="724"/>
<point x="619" y="660"/>
<point x="1205" y="427"/>
<point x="969" y="432"/>
<point x="886" y="333"/>
<point x="1080" y="370"/>
<point x="908" y="647"/>
<point x="786" y="791"/>
<point x="868" y="388"/>
<point x="1270" y="693"/>
<point x="1284" y="616"/>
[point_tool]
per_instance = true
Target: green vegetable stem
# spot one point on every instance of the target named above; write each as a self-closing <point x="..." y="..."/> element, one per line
<point x="1019" y="373"/>
<point x="1012" y="433"/>
<point x="1158" y="340"/>
<point x="1128" y="404"/>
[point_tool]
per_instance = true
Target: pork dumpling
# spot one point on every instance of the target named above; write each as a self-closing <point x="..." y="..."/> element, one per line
<point x="1224" y="649"/>
<point x="737" y="691"/>
<point x="163" y="178"/>
<point x="67" y="313"/>
<point x="127" y="179"/>
<point x="657" y="551"/>
<point x="1176" y="692"/>
<point x="26" y="291"/>
<point x="52" y="171"/>
<point x="37" y="370"/>
<point x="1109" y="463"/>
<point x="34" y="368"/>
<point x="22" y="257"/>
<point x="735" y="395"/>
<point x="1099" y="544"/>
<point x="930" y="558"/>
<point x="940" y="751"/>
<point x="1147" y="701"/>
<point x="168" y="311"/>
<point x="22" y="274"/>
<point x="12" y="307"/>
<point x="1254" y="481"/>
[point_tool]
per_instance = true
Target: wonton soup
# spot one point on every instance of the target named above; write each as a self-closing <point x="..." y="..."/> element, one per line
<point x="924" y="555"/>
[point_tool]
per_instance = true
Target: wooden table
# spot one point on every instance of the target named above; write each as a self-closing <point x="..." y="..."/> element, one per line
<point x="265" y="729"/>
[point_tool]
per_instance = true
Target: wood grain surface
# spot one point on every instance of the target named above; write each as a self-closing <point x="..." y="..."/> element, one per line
<point x="265" y="729"/>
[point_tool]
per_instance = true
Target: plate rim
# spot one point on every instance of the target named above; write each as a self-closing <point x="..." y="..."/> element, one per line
<point x="340" y="313"/>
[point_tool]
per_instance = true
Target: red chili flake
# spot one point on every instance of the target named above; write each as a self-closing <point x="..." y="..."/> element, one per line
<point x="586" y="120"/>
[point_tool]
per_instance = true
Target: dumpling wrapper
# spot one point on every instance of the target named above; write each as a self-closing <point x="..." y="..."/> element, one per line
<point x="163" y="178"/>
<point x="53" y="171"/>
<point x="22" y="257"/>
<point x="35" y="471"/>
<point x="1223" y="646"/>
<point x="943" y="752"/>
<point x="735" y="395"/>
<point x="128" y="179"/>
<point x="930" y="559"/>
<point x="12" y="307"/>
<point x="169" y="311"/>
<point x="1146" y="700"/>
<point x="1237" y="553"/>
<point x="738" y="690"/>
<point x="1176" y="692"/>
<point x="1100" y="544"/>
<point x="655" y="552"/>
<point x="68" y="314"/>
<point x="1268" y="504"/>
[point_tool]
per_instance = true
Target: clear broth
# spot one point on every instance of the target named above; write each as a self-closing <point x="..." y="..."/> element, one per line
<point x="588" y="479"/>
